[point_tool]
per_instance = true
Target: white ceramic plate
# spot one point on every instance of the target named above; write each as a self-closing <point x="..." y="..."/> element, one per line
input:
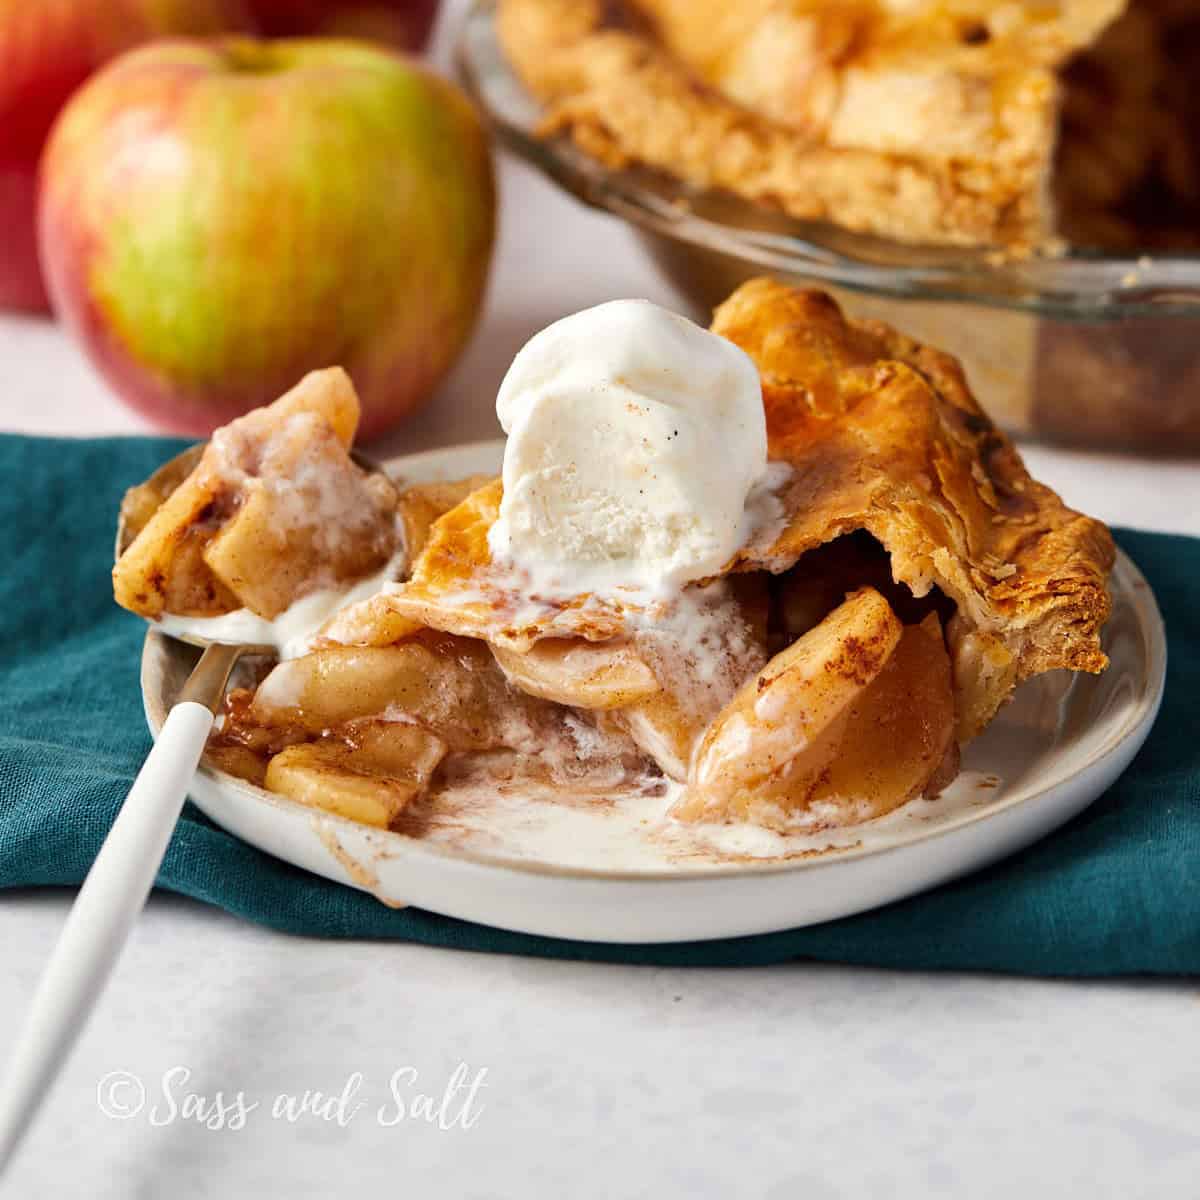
<point x="605" y="871"/>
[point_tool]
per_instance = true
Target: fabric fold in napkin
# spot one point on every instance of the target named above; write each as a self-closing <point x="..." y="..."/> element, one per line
<point x="1115" y="891"/>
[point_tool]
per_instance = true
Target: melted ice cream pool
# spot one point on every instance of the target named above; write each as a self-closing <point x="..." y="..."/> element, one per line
<point x="292" y="632"/>
<point x="631" y="829"/>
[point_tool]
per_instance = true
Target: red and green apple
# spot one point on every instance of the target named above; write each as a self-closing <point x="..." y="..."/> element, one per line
<point x="217" y="218"/>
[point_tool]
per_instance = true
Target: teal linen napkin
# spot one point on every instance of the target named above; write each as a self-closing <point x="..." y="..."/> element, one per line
<point x="1116" y="891"/>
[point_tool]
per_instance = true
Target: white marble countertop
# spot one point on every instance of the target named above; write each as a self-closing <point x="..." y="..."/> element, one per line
<point x="801" y="1081"/>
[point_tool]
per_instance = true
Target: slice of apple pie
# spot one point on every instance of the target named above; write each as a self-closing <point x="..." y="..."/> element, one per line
<point x="941" y="121"/>
<point x="780" y="572"/>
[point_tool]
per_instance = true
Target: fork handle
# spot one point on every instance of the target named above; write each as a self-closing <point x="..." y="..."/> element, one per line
<point x="109" y="901"/>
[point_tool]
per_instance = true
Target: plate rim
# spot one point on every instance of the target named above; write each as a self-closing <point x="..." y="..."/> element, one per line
<point x="1136" y="727"/>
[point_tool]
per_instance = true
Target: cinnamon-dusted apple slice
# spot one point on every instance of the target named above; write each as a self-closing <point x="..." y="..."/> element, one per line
<point x="899" y="737"/>
<point x="336" y="685"/>
<point x="595" y="675"/>
<point x="372" y="781"/>
<point x="238" y="760"/>
<point x="189" y="586"/>
<point x="163" y="568"/>
<point x="777" y="735"/>
<point x="374" y="622"/>
<point x="849" y="722"/>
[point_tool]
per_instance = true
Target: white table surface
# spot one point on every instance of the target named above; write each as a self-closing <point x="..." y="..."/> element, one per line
<point x="801" y="1082"/>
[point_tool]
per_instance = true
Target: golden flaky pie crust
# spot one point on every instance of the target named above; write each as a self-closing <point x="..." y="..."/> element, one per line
<point x="882" y="434"/>
<point x="928" y="122"/>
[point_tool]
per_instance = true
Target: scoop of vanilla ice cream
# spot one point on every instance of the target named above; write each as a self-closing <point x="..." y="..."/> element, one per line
<point x="634" y="439"/>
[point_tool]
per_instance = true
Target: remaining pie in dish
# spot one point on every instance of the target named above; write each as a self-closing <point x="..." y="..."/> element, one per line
<point x="964" y="122"/>
<point x="893" y="574"/>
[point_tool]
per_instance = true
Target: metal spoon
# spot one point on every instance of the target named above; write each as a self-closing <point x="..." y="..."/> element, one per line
<point x="120" y="879"/>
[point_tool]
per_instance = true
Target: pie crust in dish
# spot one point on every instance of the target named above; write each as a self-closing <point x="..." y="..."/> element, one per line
<point x="970" y="123"/>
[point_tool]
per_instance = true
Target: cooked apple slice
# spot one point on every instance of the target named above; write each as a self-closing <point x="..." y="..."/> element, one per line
<point x="451" y="686"/>
<point x="143" y="500"/>
<point x="867" y="724"/>
<point x="780" y="731"/>
<point x="985" y="671"/>
<point x="596" y="675"/>
<point x="310" y="519"/>
<point x="339" y="684"/>
<point x="164" y="561"/>
<point x="190" y="587"/>
<point x="371" y="622"/>
<point x="665" y="729"/>
<point x="371" y="782"/>
<point x="328" y="394"/>
<point x="899" y="733"/>
<point x="237" y="760"/>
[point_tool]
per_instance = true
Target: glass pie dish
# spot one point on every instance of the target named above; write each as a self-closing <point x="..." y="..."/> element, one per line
<point x="1078" y="347"/>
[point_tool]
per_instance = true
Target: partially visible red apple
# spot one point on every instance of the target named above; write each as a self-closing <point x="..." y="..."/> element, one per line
<point x="47" y="48"/>
<point x="217" y="218"/>
<point x="404" y="24"/>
